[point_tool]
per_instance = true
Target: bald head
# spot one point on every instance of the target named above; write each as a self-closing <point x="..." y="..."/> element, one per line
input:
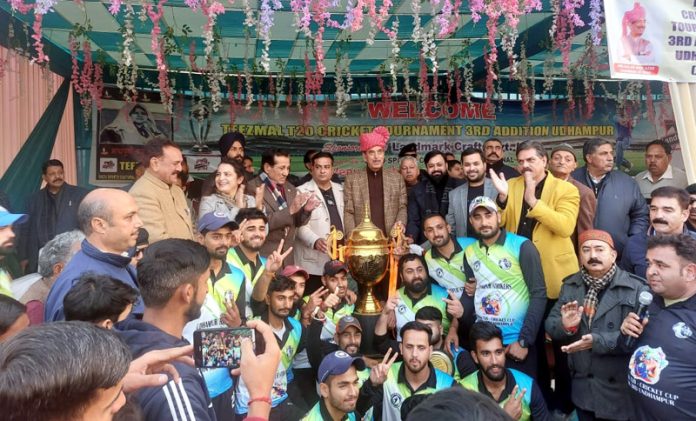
<point x="109" y="219"/>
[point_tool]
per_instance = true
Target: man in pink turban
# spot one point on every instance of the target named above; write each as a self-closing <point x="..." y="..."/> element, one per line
<point x="383" y="189"/>
<point x="634" y="48"/>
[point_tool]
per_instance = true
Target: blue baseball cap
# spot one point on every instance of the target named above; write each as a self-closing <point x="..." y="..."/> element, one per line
<point x="338" y="362"/>
<point x="213" y="221"/>
<point x="7" y="218"/>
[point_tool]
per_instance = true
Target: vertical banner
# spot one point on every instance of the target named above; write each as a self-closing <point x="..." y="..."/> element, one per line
<point x="652" y="39"/>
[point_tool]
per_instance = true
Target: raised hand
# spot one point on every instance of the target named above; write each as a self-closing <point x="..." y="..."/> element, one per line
<point x="351" y="297"/>
<point x="500" y="184"/>
<point x="380" y="372"/>
<point x="231" y="316"/>
<point x="240" y="197"/>
<point x="454" y="306"/>
<point x="529" y="188"/>
<point x="571" y="314"/>
<point x="314" y="301"/>
<point x="298" y="202"/>
<point x="321" y="245"/>
<point x="513" y="406"/>
<point x="258" y="196"/>
<point x="331" y="301"/>
<point x="390" y="304"/>
<point x="275" y="260"/>
<point x="312" y="203"/>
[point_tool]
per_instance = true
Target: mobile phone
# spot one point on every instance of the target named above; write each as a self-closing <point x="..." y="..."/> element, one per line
<point x="220" y="348"/>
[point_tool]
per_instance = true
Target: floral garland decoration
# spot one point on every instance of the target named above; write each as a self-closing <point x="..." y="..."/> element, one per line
<point x="342" y="90"/>
<point x="268" y="8"/>
<point x="567" y="20"/>
<point x="596" y="16"/>
<point x="394" y="57"/>
<point x="511" y="11"/>
<point x="127" y="73"/>
<point x="155" y="13"/>
<point x="448" y="17"/>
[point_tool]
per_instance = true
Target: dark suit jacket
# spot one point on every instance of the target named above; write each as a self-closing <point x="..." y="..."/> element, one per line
<point x="356" y="194"/>
<point x="36" y="231"/>
<point x="281" y="225"/>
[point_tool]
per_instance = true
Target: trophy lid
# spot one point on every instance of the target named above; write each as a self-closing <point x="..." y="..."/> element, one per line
<point x="366" y="232"/>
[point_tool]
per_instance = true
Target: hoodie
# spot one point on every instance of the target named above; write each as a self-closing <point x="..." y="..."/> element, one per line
<point x="89" y="259"/>
<point x="186" y="401"/>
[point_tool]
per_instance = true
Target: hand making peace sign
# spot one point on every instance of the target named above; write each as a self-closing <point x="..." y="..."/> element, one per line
<point x="379" y="373"/>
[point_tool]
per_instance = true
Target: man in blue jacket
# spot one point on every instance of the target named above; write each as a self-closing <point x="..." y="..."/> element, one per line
<point x="110" y="222"/>
<point x="173" y="278"/>
<point x="621" y="208"/>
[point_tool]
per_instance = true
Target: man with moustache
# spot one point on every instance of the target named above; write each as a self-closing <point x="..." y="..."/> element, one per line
<point x="173" y="278"/>
<point x="493" y="149"/>
<point x="52" y="211"/>
<point x="510" y="289"/>
<point x="669" y="211"/>
<point x="562" y="163"/>
<point x="659" y="170"/>
<point x="621" y="208"/>
<point x="586" y="321"/>
<point x="515" y="392"/>
<point x="415" y="375"/>
<point x="382" y="190"/>
<point x="430" y="195"/>
<point x="258" y="270"/>
<point x="477" y="184"/>
<point x="287" y="208"/>
<point x="417" y="292"/>
<point x="661" y="370"/>
<point x="290" y="336"/>
<point x="408" y="168"/>
<point x="109" y="219"/>
<point x="161" y="203"/>
<point x="7" y="235"/>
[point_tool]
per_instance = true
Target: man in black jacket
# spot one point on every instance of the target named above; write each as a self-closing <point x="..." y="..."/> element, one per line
<point x="430" y="195"/>
<point x="52" y="211"/>
<point x="172" y="277"/>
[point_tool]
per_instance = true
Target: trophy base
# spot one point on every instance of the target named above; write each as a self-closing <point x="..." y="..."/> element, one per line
<point x="367" y="304"/>
<point x="200" y="148"/>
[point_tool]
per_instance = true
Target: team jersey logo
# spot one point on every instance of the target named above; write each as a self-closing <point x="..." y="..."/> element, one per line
<point x="504" y="264"/>
<point x="289" y="351"/>
<point x="401" y="308"/>
<point x="477" y="265"/>
<point x="395" y="400"/>
<point x="647" y="363"/>
<point x="491" y="303"/>
<point x="681" y="330"/>
<point x="439" y="272"/>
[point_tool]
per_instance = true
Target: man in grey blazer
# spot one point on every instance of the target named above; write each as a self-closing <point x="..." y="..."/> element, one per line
<point x="476" y="185"/>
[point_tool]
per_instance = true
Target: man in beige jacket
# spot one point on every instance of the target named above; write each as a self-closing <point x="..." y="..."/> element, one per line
<point x="161" y="203"/>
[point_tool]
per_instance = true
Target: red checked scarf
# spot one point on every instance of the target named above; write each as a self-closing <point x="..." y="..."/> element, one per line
<point x="594" y="287"/>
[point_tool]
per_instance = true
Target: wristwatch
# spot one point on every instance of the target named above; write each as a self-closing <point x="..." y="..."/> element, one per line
<point x="522" y="343"/>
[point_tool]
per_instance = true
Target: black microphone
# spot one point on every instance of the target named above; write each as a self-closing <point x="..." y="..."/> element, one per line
<point x="644" y="300"/>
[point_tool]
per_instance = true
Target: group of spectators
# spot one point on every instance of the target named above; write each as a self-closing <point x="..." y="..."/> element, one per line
<point x="511" y="280"/>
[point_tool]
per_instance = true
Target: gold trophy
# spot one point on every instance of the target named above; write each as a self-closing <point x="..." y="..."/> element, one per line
<point x="367" y="255"/>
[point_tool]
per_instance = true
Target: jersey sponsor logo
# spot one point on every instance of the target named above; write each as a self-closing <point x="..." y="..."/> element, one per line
<point x="647" y="363"/>
<point x="395" y="399"/>
<point x="681" y="330"/>
<point x="504" y="264"/>
<point x="491" y="304"/>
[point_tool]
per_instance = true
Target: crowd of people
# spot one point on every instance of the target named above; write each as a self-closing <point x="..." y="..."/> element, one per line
<point x="537" y="290"/>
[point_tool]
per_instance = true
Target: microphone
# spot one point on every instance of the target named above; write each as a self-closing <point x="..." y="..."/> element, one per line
<point x="644" y="300"/>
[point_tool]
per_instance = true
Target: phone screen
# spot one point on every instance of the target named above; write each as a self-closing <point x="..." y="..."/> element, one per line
<point x="220" y="348"/>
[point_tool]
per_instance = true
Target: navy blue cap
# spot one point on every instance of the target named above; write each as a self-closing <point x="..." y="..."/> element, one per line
<point x="336" y="363"/>
<point x="214" y="221"/>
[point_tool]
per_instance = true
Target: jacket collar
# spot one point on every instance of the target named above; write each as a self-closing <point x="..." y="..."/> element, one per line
<point x="111" y="258"/>
<point x="150" y="177"/>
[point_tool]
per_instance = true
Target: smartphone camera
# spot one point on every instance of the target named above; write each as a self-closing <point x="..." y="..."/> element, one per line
<point x="220" y="348"/>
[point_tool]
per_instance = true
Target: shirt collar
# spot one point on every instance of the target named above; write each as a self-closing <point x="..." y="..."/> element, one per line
<point x="430" y="383"/>
<point x="245" y="261"/>
<point x="509" y="385"/>
<point x="457" y="249"/>
<point x="325" y="412"/>
<point x="668" y="175"/>
<point x="500" y="241"/>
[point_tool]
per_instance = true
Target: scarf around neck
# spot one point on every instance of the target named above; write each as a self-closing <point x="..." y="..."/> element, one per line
<point x="594" y="287"/>
<point x="282" y="203"/>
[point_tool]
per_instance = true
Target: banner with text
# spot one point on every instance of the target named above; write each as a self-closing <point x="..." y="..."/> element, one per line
<point x="653" y="40"/>
<point x="441" y="126"/>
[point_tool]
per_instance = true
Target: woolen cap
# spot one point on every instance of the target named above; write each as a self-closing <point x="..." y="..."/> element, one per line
<point x="596" y="235"/>
<point x="563" y="147"/>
